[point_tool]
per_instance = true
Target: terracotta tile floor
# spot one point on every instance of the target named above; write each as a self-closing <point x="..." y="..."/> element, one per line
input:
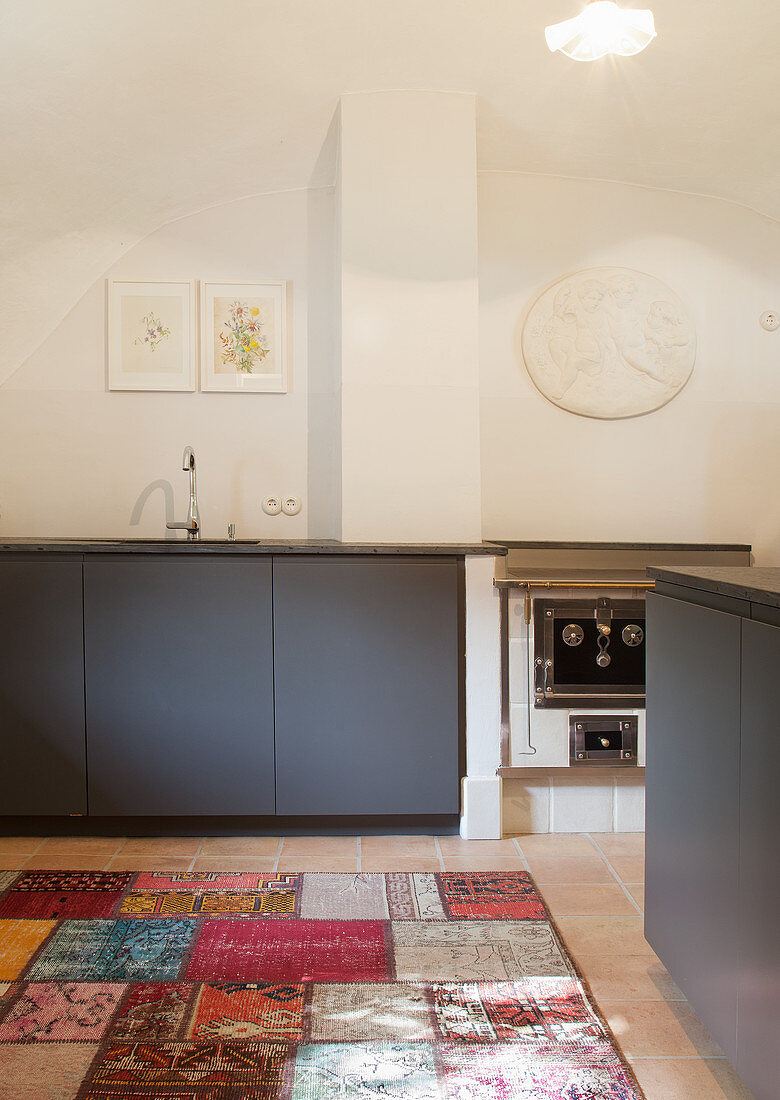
<point x="590" y="881"/>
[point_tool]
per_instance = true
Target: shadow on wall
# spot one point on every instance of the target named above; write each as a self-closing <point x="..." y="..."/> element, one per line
<point x="744" y="466"/>
<point x="138" y="507"/>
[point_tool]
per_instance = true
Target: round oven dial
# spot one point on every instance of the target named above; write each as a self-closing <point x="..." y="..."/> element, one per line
<point x="633" y="635"/>
<point x="573" y="634"/>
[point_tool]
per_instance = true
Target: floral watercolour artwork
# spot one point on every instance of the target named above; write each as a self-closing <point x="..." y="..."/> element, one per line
<point x="243" y="345"/>
<point x="154" y="333"/>
<point x="150" y="336"/>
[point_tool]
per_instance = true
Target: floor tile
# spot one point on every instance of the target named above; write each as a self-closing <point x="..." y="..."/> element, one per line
<point x="457" y="846"/>
<point x="316" y="863"/>
<point x="587" y="900"/>
<point x="43" y="1071"/>
<point x="628" y="868"/>
<point x="398" y="863"/>
<point x="173" y="847"/>
<point x="145" y="863"/>
<point x="16" y="845"/>
<point x="244" y="863"/>
<point x="569" y="869"/>
<point x="658" y="1029"/>
<point x="234" y="847"/>
<point x="485" y="863"/>
<point x="343" y="847"/>
<point x="620" y="844"/>
<point x="604" y="935"/>
<point x="82" y="846"/>
<point x="66" y="862"/>
<point x="628" y="978"/>
<point x="638" y="894"/>
<point x="556" y="844"/>
<point x="395" y="845"/>
<point x="689" y="1079"/>
<point x="11" y="862"/>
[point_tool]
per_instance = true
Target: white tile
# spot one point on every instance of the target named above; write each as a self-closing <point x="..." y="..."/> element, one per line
<point x="518" y="671"/>
<point x="629" y="805"/>
<point x="518" y="628"/>
<point x="521" y="753"/>
<point x="550" y="737"/>
<point x="581" y="806"/>
<point x="526" y="806"/>
<point x="482" y="808"/>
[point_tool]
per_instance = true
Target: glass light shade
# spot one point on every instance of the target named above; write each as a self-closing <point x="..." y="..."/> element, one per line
<point x="601" y="28"/>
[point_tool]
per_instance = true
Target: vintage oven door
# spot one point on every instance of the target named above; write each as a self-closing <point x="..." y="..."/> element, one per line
<point x="589" y="653"/>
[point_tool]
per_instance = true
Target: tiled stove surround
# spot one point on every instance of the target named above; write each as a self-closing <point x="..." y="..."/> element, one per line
<point x="565" y="799"/>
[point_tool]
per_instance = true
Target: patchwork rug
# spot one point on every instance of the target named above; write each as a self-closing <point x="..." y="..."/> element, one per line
<point x="249" y="986"/>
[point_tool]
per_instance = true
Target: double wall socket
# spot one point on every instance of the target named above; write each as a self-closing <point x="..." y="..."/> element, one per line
<point x="290" y="505"/>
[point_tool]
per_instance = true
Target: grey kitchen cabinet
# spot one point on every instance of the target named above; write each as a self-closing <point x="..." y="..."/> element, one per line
<point x="367" y="674"/>
<point x="42" y="688"/>
<point x="692" y="804"/>
<point x="758" y="1013"/>
<point x="713" y="818"/>
<point x="179" y="685"/>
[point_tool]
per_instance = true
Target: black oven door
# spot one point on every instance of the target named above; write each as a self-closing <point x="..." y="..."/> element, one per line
<point x="577" y="664"/>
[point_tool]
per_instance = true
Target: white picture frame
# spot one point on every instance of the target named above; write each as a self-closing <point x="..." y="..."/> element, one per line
<point x="151" y="336"/>
<point x="243" y="337"/>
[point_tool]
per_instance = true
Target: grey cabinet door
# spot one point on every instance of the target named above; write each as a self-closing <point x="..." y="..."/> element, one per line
<point x="758" y="1049"/>
<point x="42" y="688"/>
<point x="692" y="804"/>
<point x="366" y="685"/>
<point x="179" y="686"/>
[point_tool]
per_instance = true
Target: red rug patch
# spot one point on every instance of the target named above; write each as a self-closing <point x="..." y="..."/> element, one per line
<point x="492" y="895"/>
<point x="54" y="905"/>
<point x="290" y="951"/>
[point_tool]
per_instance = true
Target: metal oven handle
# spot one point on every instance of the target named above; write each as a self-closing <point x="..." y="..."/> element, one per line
<point x="542" y="676"/>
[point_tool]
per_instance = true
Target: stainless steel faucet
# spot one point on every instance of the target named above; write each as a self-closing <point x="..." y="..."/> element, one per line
<point x="192" y="524"/>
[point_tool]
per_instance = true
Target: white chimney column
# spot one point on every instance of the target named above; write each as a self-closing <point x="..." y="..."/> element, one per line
<point x="410" y="461"/>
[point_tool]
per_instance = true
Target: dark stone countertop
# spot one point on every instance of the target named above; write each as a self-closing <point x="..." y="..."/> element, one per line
<point x="758" y="584"/>
<point x="665" y="546"/>
<point x="241" y="546"/>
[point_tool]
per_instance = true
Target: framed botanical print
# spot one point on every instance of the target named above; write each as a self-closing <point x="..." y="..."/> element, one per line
<point x="151" y="336"/>
<point x="243" y="337"/>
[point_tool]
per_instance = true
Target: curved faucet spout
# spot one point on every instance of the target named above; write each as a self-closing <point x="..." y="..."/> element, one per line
<point x="192" y="525"/>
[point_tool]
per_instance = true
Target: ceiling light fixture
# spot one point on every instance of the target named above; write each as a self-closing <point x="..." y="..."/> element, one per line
<point x="601" y="28"/>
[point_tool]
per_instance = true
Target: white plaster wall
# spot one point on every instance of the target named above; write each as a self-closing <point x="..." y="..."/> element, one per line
<point x="409" y="317"/>
<point x="75" y="459"/>
<point x="705" y="467"/>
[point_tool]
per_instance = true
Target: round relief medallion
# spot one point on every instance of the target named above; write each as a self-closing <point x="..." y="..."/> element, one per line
<point x="609" y="342"/>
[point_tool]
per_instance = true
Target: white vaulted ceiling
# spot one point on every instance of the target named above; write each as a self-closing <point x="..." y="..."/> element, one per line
<point x="117" y="116"/>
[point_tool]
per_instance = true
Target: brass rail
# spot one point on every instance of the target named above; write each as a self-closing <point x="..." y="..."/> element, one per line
<point x="528" y="585"/>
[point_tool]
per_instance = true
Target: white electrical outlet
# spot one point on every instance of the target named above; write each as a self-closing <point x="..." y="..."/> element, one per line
<point x="272" y="506"/>
<point x="769" y="320"/>
<point x="291" y="506"/>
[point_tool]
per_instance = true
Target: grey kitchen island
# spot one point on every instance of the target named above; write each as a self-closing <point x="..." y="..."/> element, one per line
<point x="143" y="680"/>
<point x="713" y="809"/>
